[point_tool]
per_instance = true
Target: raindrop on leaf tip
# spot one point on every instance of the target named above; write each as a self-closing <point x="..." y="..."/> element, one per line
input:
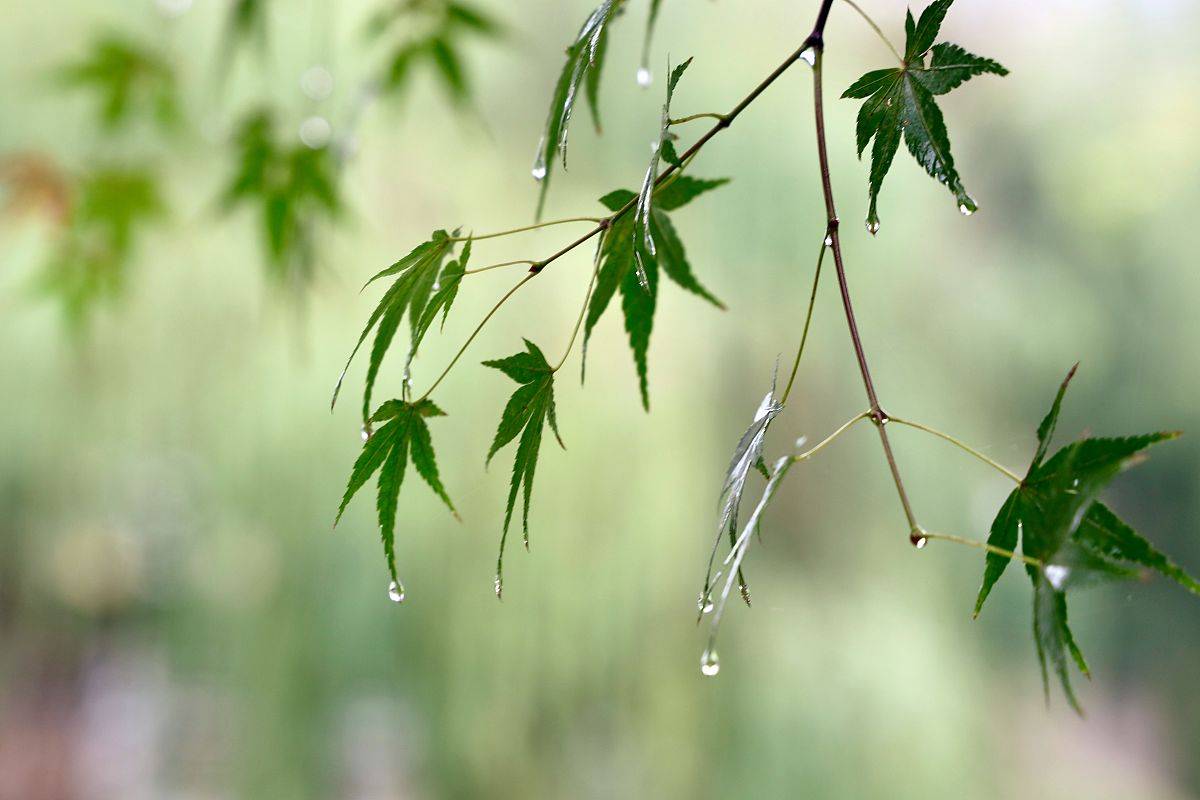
<point x="396" y="592"/>
<point x="644" y="77"/>
<point x="704" y="604"/>
<point x="710" y="663"/>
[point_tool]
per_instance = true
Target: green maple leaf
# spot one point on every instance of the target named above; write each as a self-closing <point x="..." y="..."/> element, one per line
<point x="900" y="103"/>
<point x="402" y="435"/>
<point x="129" y="80"/>
<point x="421" y="289"/>
<point x="526" y="413"/>
<point x="619" y="253"/>
<point x="1055" y="517"/>
<point x="585" y="58"/>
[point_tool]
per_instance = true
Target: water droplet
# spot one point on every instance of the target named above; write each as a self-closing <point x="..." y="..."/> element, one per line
<point x="437" y="285"/>
<point x="828" y="241"/>
<point x="704" y="604"/>
<point x="317" y="82"/>
<point x="710" y="663"/>
<point x="366" y="434"/>
<point x="396" y="592"/>
<point x="539" y="163"/>
<point x="499" y="585"/>
<point x="315" y="132"/>
<point x="644" y="78"/>
<point x="1057" y="575"/>
<point x="965" y="209"/>
<point x="872" y="226"/>
<point x="800" y="441"/>
<point x="809" y="56"/>
<point x="918" y="540"/>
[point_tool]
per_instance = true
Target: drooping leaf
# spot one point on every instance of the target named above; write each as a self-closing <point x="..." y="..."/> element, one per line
<point x="651" y="22"/>
<point x="410" y="293"/>
<point x="643" y="233"/>
<point x="899" y="103"/>
<point x="130" y="81"/>
<point x="618" y="260"/>
<point x="1073" y="539"/>
<point x="582" y="57"/>
<point x="526" y="413"/>
<point x="404" y="434"/>
<point x="747" y="456"/>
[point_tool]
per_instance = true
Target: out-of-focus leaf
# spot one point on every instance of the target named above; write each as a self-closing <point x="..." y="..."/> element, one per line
<point x="387" y="451"/>
<point x="617" y="271"/>
<point x="526" y="413"/>
<point x="899" y="102"/>
<point x="130" y="81"/>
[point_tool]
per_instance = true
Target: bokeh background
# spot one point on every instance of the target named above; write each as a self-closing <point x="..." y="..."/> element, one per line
<point x="178" y="620"/>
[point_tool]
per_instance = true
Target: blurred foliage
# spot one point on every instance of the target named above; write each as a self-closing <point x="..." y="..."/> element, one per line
<point x="130" y="82"/>
<point x="293" y="187"/>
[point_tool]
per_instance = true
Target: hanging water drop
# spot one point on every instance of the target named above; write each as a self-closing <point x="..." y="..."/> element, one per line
<point x="965" y="209"/>
<point x="828" y="240"/>
<point x="396" y="592"/>
<point x="710" y="663"/>
<point x="918" y="540"/>
<point x="1057" y="575"/>
<point x="539" y="163"/>
<point x="499" y="586"/>
<point x="644" y="77"/>
<point x="872" y="226"/>
<point x="366" y="434"/>
<point x="809" y="56"/>
<point x="437" y="285"/>
<point x="704" y="604"/>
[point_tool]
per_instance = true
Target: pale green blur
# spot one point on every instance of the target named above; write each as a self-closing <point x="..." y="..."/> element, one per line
<point x="178" y="620"/>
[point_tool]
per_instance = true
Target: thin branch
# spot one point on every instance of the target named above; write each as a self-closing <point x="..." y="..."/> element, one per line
<point x="812" y="300"/>
<point x="807" y="454"/>
<point x="877" y="413"/>
<point x="525" y="261"/>
<point x="524" y="228"/>
<point x="1014" y="477"/>
<point x="991" y="548"/>
<point x="878" y="31"/>
<point x="474" y="333"/>
<point x="583" y="308"/>
<point x="690" y="117"/>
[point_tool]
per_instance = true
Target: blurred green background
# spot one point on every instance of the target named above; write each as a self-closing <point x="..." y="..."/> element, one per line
<point x="177" y="619"/>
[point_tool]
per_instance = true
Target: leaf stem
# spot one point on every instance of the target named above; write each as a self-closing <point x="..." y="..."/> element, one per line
<point x="524" y="280"/>
<point x="961" y="445"/>
<point x="807" y="454"/>
<point x="690" y="117"/>
<point x="812" y="300"/>
<point x="497" y="266"/>
<point x="524" y="228"/>
<point x="875" y="27"/>
<point x="991" y="548"/>
<point x="877" y="414"/>
<point x="582" y="309"/>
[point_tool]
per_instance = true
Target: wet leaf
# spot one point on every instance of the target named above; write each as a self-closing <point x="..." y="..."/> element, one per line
<point x="526" y="413"/>
<point x="1054" y="517"/>
<point x="899" y="103"/>
<point x="583" y="56"/>
<point x="404" y="434"/>
<point x="618" y="259"/>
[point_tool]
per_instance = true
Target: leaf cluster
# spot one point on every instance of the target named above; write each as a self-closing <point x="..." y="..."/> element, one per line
<point x="900" y="103"/>
<point x="1073" y="539"/>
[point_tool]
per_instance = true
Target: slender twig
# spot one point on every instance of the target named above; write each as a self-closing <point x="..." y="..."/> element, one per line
<point x="807" y="454"/>
<point x="690" y="117"/>
<point x="1014" y="477"/>
<point x="877" y="413"/>
<point x="498" y="266"/>
<point x="875" y="27"/>
<point x="511" y="231"/>
<point x="812" y="300"/>
<point x="474" y="333"/>
<point x="587" y="296"/>
<point x="991" y="548"/>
